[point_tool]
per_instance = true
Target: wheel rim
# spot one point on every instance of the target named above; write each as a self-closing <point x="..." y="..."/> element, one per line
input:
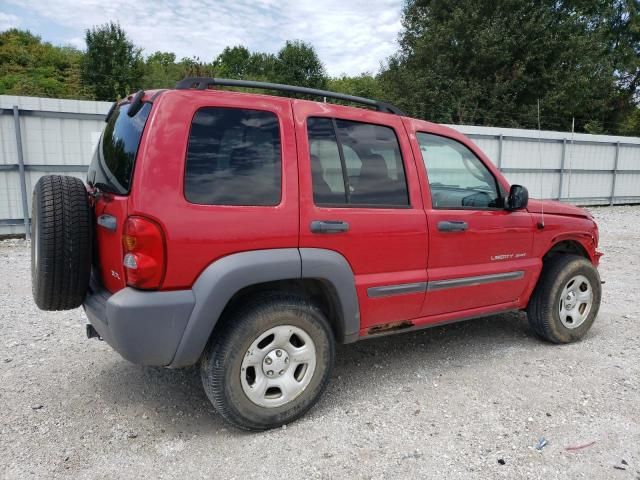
<point x="576" y="301"/>
<point x="278" y="366"/>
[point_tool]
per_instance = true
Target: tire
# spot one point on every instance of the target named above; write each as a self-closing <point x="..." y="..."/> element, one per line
<point x="61" y="244"/>
<point x="227" y="375"/>
<point x="560" y="276"/>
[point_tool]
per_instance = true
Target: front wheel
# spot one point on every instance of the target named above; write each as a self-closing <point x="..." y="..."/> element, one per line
<point x="270" y="363"/>
<point x="566" y="299"/>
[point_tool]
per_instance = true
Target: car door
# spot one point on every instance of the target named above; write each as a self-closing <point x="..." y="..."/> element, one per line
<point x="480" y="255"/>
<point x="359" y="196"/>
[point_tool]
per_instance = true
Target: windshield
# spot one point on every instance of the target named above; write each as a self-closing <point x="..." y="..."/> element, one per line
<point x="112" y="166"/>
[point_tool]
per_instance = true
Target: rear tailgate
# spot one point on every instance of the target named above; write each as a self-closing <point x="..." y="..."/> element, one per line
<point x="110" y="216"/>
<point x="110" y="176"/>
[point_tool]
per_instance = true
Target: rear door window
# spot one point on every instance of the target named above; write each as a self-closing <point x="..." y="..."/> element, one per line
<point x="355" y="164"/>
<point x="112" y="166"/>
<point x="233" y="158"/>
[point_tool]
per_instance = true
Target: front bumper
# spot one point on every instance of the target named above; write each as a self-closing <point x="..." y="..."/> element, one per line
<point x="144" y="327"/>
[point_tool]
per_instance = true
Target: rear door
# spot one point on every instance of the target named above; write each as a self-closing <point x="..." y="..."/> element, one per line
<point x="480" y="255"/>
<point x="359" y="196"/>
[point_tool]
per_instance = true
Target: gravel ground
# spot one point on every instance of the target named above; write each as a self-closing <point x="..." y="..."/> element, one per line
<point x="468" y="400"/>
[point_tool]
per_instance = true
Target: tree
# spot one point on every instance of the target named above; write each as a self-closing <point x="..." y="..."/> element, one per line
<point x="29" y="66"/>
<point x="488" y="62"/>
<point x="161" y="71"/>
<point x="112" y="65"/>
<point x="262" y="66"/>
<point x="194" y="67"/>
<point x="631" y="124"/>
<point x="233" y="62"/>
<point x="299" y="64"/>
<point x="618" y="24"/>
<point x="363" y="85"/>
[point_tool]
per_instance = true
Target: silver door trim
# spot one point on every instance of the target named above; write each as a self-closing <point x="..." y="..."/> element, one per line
<point x="472" y="281"/>
<point x="399" y="289"/>
<point x="417" y="287"/>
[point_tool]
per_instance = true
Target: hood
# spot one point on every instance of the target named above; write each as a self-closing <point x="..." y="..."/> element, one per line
<point x="556" y="208"/>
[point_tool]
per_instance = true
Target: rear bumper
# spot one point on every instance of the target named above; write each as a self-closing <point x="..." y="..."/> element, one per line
<point x="144" y="327"/>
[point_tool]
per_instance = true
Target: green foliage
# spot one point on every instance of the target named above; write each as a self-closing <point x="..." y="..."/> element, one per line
<point x="363" y="85"/>
<point x="483" y="62"/>
<point x="262" y="67"/>
<point x="29" y="66"/>
<point x="631" y="124"/>
<point x="488" y="62"/>
<point x="112" y="65"/>
<point x="233" y="62"/>
<point x="160" y="70"/>
<point x="299" y="64"/>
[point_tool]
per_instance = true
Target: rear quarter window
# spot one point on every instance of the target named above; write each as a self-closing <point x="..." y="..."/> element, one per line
<point x="233" y="158"/>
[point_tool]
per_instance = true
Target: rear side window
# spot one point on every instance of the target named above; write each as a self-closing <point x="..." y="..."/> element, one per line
<point x="233" y="158"/>
<point x="355" y="164"/>
<point x="112" y="166"/>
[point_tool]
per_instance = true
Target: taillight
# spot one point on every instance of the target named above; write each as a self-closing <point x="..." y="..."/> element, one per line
<point x="144" y="253"/>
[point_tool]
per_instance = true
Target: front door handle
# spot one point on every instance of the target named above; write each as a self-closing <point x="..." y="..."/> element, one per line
<point x="452" y="226"/>
<point x="329" y="226"/>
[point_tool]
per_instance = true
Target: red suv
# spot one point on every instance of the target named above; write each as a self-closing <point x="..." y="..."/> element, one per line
<point x="252" y="233"/>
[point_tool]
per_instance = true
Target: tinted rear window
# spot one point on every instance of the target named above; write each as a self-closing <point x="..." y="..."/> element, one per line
<point x="112" y="165"/>
<point x="233" y="158"/>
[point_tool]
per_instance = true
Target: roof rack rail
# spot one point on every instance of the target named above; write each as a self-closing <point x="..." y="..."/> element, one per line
<point x="202" y="83"/>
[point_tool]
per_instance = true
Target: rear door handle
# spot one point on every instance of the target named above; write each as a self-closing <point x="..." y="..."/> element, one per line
<point x="329" y="226"/>
<point x="452" y="226"/>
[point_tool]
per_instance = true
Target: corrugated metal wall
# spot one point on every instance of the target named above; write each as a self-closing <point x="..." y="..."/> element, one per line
<point x="580" y="169"/>
<point x="59" y="136"/>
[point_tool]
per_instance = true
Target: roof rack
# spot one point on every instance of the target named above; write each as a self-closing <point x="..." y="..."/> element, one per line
<point x="202" y="83"/>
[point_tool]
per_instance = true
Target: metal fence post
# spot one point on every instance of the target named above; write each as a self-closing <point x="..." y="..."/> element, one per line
<point x="564" y="153"/>
<point x="23" y="182"/>
<point x="499" y="151"/>
<point x="615" y="174"/>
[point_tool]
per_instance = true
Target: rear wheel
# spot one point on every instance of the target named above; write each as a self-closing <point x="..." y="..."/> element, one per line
<point x="61" y="243"/>
<point x="270" y="364"/>
<point x="566" y="300"/>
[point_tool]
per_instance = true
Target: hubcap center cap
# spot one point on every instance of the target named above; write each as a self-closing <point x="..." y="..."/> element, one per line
<point x="275" y="363"/>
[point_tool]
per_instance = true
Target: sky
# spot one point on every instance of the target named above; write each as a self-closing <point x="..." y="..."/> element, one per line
<point x="350" y="36"/>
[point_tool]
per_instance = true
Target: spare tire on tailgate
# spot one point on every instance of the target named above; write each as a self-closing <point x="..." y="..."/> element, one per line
<point x="61" y="243"/>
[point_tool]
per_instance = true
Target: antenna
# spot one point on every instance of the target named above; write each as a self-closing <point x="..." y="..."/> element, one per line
<point x="541" y="222"/>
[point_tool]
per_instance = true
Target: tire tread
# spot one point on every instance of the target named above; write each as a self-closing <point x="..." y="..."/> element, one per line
<point x="61" y="279"/>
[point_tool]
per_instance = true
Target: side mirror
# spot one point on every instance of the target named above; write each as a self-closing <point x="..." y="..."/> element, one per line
<point x="518" y="198"/>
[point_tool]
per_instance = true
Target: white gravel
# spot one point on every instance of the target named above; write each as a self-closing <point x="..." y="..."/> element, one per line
<point x="449" y="402"/>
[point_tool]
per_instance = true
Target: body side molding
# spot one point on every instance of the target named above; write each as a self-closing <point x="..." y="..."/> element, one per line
<point x="404" y="288"/>
<point x="471" y="281"/>
<point x="397" y="289"/>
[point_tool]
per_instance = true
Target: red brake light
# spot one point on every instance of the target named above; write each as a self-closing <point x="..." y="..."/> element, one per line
<point x="145" y="257"/>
